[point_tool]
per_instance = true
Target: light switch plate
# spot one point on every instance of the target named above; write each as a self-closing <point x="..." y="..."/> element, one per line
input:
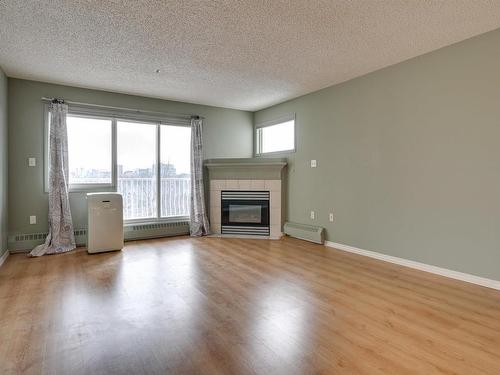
<point x="31" y="162"/>
<point x="314" y="163"/>
<point x="330" y="217"/>
<point x="32" y="219"/>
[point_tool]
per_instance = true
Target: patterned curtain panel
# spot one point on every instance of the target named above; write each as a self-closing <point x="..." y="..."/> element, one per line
<point x="198" y="225"/>
<point x="60" y="238"/>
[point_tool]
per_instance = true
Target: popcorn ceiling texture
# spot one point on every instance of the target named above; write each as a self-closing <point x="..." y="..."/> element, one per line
<point x="246" y="54"/>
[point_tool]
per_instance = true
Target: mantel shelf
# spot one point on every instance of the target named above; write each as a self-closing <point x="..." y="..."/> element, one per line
<point x="245" y="163"/>
<point x="246" y="168"/>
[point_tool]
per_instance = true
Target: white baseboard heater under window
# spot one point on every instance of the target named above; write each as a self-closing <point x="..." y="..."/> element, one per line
<point x="310" y="233"/>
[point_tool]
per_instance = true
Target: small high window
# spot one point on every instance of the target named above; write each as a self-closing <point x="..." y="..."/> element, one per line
<point x="275" y="136"/>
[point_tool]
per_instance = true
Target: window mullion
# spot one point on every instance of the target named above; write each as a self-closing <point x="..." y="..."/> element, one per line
<point x="158" y="172"/>
<point x="259" y="141"/>
<point x="114" y="158"/>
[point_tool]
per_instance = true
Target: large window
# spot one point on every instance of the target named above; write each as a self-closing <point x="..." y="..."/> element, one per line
<point x="275" y="136"/>
<point x="146" y="159"/>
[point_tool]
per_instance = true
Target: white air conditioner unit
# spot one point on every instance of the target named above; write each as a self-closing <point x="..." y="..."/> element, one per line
<point x="310" y="233"/>
<point x="105" y="222"/>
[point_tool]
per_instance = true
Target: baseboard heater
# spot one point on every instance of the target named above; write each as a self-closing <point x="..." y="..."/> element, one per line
<point x="22" y="243"/>
<point x="310" y="233"/>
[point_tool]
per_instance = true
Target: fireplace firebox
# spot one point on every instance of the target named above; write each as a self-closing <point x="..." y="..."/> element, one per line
<point x="245" y="212"/>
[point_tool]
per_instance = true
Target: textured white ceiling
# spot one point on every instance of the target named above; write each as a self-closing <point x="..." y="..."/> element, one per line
<point x="246" y="54"/>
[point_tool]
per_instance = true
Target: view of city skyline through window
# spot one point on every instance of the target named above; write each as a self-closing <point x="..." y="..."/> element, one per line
<point x="89" y="150"/>
<point x="175" y="167"/>
<point x="90" y="163"/>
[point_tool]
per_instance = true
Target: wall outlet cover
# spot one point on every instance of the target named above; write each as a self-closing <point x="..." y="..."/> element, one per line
<point x="31" y="162"/>
<point x="314" y="163"/>
<point x="313" y="215"/>
<point x="32" y="219"/>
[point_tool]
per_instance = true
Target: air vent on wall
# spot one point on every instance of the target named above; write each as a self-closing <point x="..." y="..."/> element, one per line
<point x="156" y="230"/>
<point x="156" y="226"/>
<point x="27" y="241"/>
<point x="42" y="236"/>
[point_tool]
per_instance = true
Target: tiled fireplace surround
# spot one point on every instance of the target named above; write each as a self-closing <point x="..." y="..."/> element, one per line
<point x="246" y="175"/>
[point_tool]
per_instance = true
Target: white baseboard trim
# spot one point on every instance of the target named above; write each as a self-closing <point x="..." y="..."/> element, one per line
<point x="4" y="257"/>
<point x="489" y="283"/>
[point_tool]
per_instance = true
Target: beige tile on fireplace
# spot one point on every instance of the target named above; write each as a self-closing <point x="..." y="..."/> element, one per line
<point x="217" y="184"/>
<point x="257" y="184"/>
<point x="215" y="198"/>
<point x="215" y="228"/>
<point x="275" y="216"/>
<point x="215" y="215"/>
<point x="275" y="199"/>
<point x="273" y="185"/>
<point x="275" y="231"/>
<point x="244" y="184"/>
<point x="232" y="185"/>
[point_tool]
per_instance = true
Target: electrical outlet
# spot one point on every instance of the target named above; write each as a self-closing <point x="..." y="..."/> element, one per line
<point x="31" y="162"/>
<point x="330" y="217"/>
<point x="314" y="163"/>
<point x="32" y="219"/>
<point x="313" y="215"/>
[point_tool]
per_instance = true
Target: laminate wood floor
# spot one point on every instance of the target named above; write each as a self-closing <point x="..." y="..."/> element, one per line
<point x="239" y="306"/>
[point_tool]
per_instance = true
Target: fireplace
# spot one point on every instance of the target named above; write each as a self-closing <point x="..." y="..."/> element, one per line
<point x="255" y="176"/>
<point x="245" y="212"/>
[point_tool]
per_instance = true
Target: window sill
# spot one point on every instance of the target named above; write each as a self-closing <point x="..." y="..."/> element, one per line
<point x="275" y="153"/>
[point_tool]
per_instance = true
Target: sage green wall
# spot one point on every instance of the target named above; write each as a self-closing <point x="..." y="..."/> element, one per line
<point x="408" y="158"/>
<point x="227" y="133"/>
<point x="3" y="163"/>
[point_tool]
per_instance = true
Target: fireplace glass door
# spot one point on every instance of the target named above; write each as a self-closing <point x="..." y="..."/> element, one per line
<point x="245" y="211"/>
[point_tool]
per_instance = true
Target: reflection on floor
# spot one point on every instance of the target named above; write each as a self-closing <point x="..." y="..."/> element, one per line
<point x="239" y="306"/>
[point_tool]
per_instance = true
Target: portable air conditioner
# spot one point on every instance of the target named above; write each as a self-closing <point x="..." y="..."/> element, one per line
<point x="105" y="222"/>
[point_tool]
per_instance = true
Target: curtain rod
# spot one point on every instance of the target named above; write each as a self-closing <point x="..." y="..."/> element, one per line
<point x="180" y="115"/>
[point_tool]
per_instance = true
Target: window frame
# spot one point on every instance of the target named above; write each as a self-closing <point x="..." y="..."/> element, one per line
<point x="276" y="121"/>
<point x="116" y="115"/>
<point x="158" y="172"/>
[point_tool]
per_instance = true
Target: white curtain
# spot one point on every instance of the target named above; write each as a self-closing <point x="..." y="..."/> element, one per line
<point x="198" y="225"/>
<point x="60" y="238"/>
